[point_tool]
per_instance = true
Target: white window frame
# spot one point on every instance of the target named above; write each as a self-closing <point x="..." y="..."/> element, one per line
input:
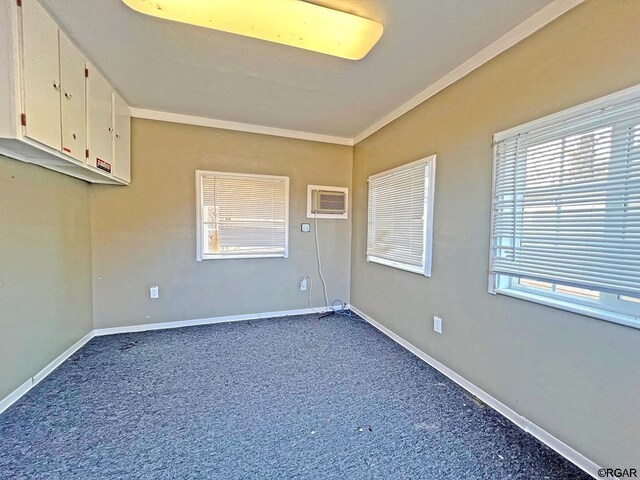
<point x="200" y="255"/>
<point x="608" y="307"/>
<point x="427" y="252"/>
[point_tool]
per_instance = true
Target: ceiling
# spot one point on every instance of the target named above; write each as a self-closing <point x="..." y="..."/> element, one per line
<point x="171" y="67"/>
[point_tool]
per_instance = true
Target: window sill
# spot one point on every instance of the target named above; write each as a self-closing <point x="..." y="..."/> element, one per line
<point x="238" y="257"/>
<point x="399" y="265"/>
<point x="600" y="313"/>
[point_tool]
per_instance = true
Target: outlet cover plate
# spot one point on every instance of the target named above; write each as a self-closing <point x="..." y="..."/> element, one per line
<point x="437" y="324"/>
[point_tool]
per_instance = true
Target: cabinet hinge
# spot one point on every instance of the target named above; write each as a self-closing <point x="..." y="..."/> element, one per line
<point x="86" y="153"/>
<point x="19" y="2"/>
<point x="23" y="119"/>
<point x="86" y="73"/>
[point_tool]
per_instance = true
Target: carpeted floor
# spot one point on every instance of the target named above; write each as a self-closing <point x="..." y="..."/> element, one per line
<point x="291" y="398"/>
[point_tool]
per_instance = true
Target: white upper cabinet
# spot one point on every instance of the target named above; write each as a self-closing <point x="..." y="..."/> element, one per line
<point x="51" y="113"/>
<point x="41" y="75"/>
<point x="121" y="138"/>
<point x="72" y="82"/>
<point x="100" y="127"/>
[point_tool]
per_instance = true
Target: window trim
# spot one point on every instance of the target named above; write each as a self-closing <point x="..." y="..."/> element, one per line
<point x="200" y="255"/>
<point x="427" y="252"/>
<point x="571" y="305"/>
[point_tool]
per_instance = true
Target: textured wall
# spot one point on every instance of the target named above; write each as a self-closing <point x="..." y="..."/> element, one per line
<point x="145" y="234"/>
<point x="575" y="376"/>
<point x="45" y="268"/>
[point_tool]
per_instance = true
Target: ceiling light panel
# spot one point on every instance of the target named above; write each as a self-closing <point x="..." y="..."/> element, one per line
<point x="289" y="22"/>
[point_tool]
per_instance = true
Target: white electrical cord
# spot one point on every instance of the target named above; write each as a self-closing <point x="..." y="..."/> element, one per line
<point x="309" y="295"/>
<point x="343" y="308"/>
<point x="324" y="284"/>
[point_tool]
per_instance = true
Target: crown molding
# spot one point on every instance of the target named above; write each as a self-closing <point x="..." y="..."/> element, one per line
<point x="236" y="126"/>
<point x="531" y="25"/>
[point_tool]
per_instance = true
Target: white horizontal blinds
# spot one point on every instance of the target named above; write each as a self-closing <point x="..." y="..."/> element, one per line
<point x="396" y="230"/>
<point x="567" y="202"/>
<point x="244" y="215"/>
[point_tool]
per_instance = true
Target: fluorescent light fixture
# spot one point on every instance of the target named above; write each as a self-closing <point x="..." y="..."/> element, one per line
<point x="289" y="22"/>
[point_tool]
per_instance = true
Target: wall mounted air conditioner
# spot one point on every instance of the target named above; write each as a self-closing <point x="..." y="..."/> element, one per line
<point x="327" y="202"/>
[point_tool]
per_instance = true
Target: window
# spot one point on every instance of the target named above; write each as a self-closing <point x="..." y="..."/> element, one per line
<point x="566" y="210"/>
<point x="401" y="216"/>
<point x="241" y="216"/>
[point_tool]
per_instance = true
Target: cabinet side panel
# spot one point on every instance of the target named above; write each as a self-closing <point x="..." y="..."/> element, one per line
<point x="9" y="70"/>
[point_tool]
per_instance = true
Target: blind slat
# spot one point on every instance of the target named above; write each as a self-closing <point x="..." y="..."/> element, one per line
<point x="244" y="215"/>
<point x="398" y="213"/>
<point x="566" y="206"/>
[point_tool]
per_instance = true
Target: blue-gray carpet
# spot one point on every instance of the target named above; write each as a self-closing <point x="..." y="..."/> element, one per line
<point x="291" y="398"/>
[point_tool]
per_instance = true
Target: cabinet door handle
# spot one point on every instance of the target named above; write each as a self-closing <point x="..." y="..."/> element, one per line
<point x="110" y="129"/>
<point x="56" y="86"/>
<point x="67" y="95"/>
<point x="117" y="135"/>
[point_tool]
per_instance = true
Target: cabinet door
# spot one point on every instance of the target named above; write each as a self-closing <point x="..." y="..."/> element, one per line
<point x="72" y="82"/>
<point x="122" y="138"/>
<point x="41" y="75"/>
<point x="100" y="121"/>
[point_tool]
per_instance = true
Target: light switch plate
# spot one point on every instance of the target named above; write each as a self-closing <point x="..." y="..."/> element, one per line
<point x="153" y="292"/>
<point x="305" y="227"/>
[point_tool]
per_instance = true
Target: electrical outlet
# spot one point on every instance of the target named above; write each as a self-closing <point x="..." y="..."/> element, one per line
<point x="154" y="293"/>
<point x="437" y="324"/>
<point x="303" y="284"/>
<point x="305" y="227"/>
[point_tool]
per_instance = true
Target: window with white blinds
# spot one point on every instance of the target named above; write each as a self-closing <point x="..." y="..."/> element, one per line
<point x="400" y="214"/>
<point x="242" y="216"/>
<point x="566" y="205"/>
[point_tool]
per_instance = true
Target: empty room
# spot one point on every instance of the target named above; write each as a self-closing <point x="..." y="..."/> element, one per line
<point x="324" y="239"/>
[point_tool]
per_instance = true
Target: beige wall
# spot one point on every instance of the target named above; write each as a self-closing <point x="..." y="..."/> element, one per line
<point x="144" y="234"/>
<point x="575" y="376"/>
<point x="45" y="269"/>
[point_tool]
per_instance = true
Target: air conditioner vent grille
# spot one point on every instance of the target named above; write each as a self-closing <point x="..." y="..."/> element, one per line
<point x="327" y="202"/>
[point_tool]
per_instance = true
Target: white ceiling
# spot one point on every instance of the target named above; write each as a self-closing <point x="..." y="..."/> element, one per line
<point x="172" y="67"/>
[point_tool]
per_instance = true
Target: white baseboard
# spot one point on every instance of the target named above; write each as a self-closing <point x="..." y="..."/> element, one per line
<point x="205" y="321"/>
<point x="563" y="449"/>
<point x="37" y="378"/>
<point x="14" y="396"/>
<point x="32" y="382"/>
<point x="545" y="437"/>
